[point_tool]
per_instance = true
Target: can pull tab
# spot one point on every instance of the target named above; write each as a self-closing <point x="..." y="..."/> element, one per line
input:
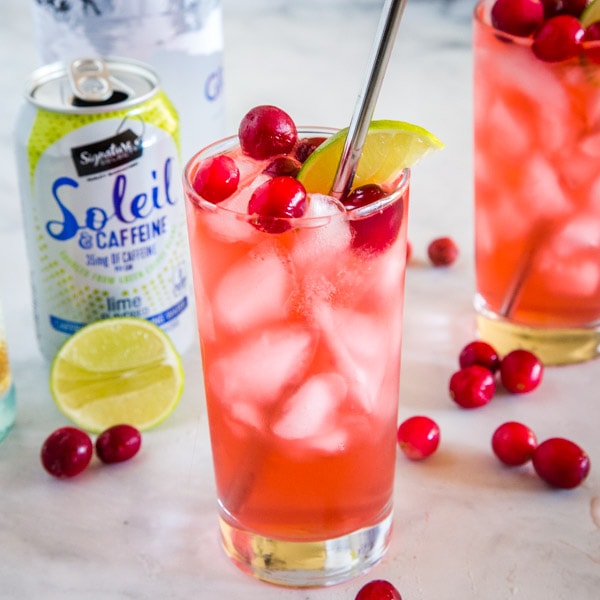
<point x="89" y="79"/>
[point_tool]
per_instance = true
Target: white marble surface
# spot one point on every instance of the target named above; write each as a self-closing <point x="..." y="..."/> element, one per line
<point x="465" y="528"/>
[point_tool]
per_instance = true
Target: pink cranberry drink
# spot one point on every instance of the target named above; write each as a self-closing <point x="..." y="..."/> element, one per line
<point x="299" y="300"/>
<point x="537" y="178"/>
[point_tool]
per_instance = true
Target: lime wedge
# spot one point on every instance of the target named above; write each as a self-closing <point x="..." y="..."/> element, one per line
<point x="591" y="13"/>
<point x="390" y="147"/>
<point x="119" y="370"/>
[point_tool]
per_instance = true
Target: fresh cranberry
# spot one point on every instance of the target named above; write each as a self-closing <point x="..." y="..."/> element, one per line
<point x="276" y="200"/>
<point x="66" y="452"/>
<point x="521" y="371"/>
<point x="472" y="386"/>
<point x="561" y="463"/>
<point x="479" y="353"/>
<point x="592" y="33"/>
<point x="418" y="437"/>
<point x="574" y="7"/>
<point x="283" y="165"/>
<point x="118" y="443"/>
<point x="517" y="17"/>
<point x="514" y="443"/>
<point x="307" y="146"/>
<point x="378" y="231"/>
<point x="558" y="39"/>
<point x="592" y="50"/>
<point x="216" y="178"/>
<point x="267" y="131"/>
<point x="552" y="8"/>
<point x="378" y="589"/>
<point x="442" y="252"/>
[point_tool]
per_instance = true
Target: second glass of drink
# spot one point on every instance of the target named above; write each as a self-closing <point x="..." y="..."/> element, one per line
<point x="537" y="189"/>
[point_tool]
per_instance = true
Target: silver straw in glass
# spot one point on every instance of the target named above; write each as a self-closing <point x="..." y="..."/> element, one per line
<point x="367" y="98"/>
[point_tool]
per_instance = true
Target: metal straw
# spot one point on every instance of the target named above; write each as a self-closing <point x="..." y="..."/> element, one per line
<point x="537" y="239"/>
<point x="367" y="98"/>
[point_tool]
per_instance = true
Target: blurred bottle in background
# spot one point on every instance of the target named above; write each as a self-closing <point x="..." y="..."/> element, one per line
<point x="7" y="388"/>
<point x="181" y="39"/>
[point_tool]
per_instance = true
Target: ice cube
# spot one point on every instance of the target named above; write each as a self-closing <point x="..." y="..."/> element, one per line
<point x="501" y="122"/>
<point x="568" y="257"/>
<point x="321" y="205"/>
<point x="518" y="79"/>
<point x="381" y="283"/>
<point x="360" y="347"/>
<point x="238" y="202"/>
<point x="260" y="367"/>
<point x="228" y="226"/>
<point x="590" y="145"/>
<point x="253" y="291"/>
<point x="582" y="172"/>
<point x="249" y="168"/>
<point x="245" y="414"/>
<point x="581" y="232"/>
<point x="310" y="412"/>
<point x="573" y="277"/>
<point x="319" y="247"/>
<point x="534" y="192"/>
<point x="523" y="81"/>
<point x="541" y="183"/>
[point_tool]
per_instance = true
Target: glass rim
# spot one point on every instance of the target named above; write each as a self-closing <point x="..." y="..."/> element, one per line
<point x="401" y="185"/>
<point x="481" y="14"/>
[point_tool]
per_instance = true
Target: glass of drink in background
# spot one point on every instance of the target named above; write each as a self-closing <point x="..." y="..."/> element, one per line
<point x="300" y="326"/>
<point x="537" y="195"/>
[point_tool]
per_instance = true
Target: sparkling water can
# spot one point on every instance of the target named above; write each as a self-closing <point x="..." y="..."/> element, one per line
<point x="181" y="39"/>
<point x="97" y="146"/>
<point x="7" y="387"/>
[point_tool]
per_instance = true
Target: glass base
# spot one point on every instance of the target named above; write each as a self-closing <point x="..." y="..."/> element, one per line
<point x="551" y="346"/>
<point x="306" y="564"/>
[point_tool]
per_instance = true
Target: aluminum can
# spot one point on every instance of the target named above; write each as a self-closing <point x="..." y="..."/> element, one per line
<point x="97" y="146"/>
<point x="181" y="39"/>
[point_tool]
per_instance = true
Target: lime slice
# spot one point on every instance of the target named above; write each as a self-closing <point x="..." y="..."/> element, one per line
<point x="390" y="147"/>
<point x="119" y="370"/>
<point x="591" y="13"/>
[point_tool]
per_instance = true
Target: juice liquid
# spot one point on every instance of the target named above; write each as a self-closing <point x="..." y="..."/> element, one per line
<point x="300" y="336"/>
<point x="537" y="190"/>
